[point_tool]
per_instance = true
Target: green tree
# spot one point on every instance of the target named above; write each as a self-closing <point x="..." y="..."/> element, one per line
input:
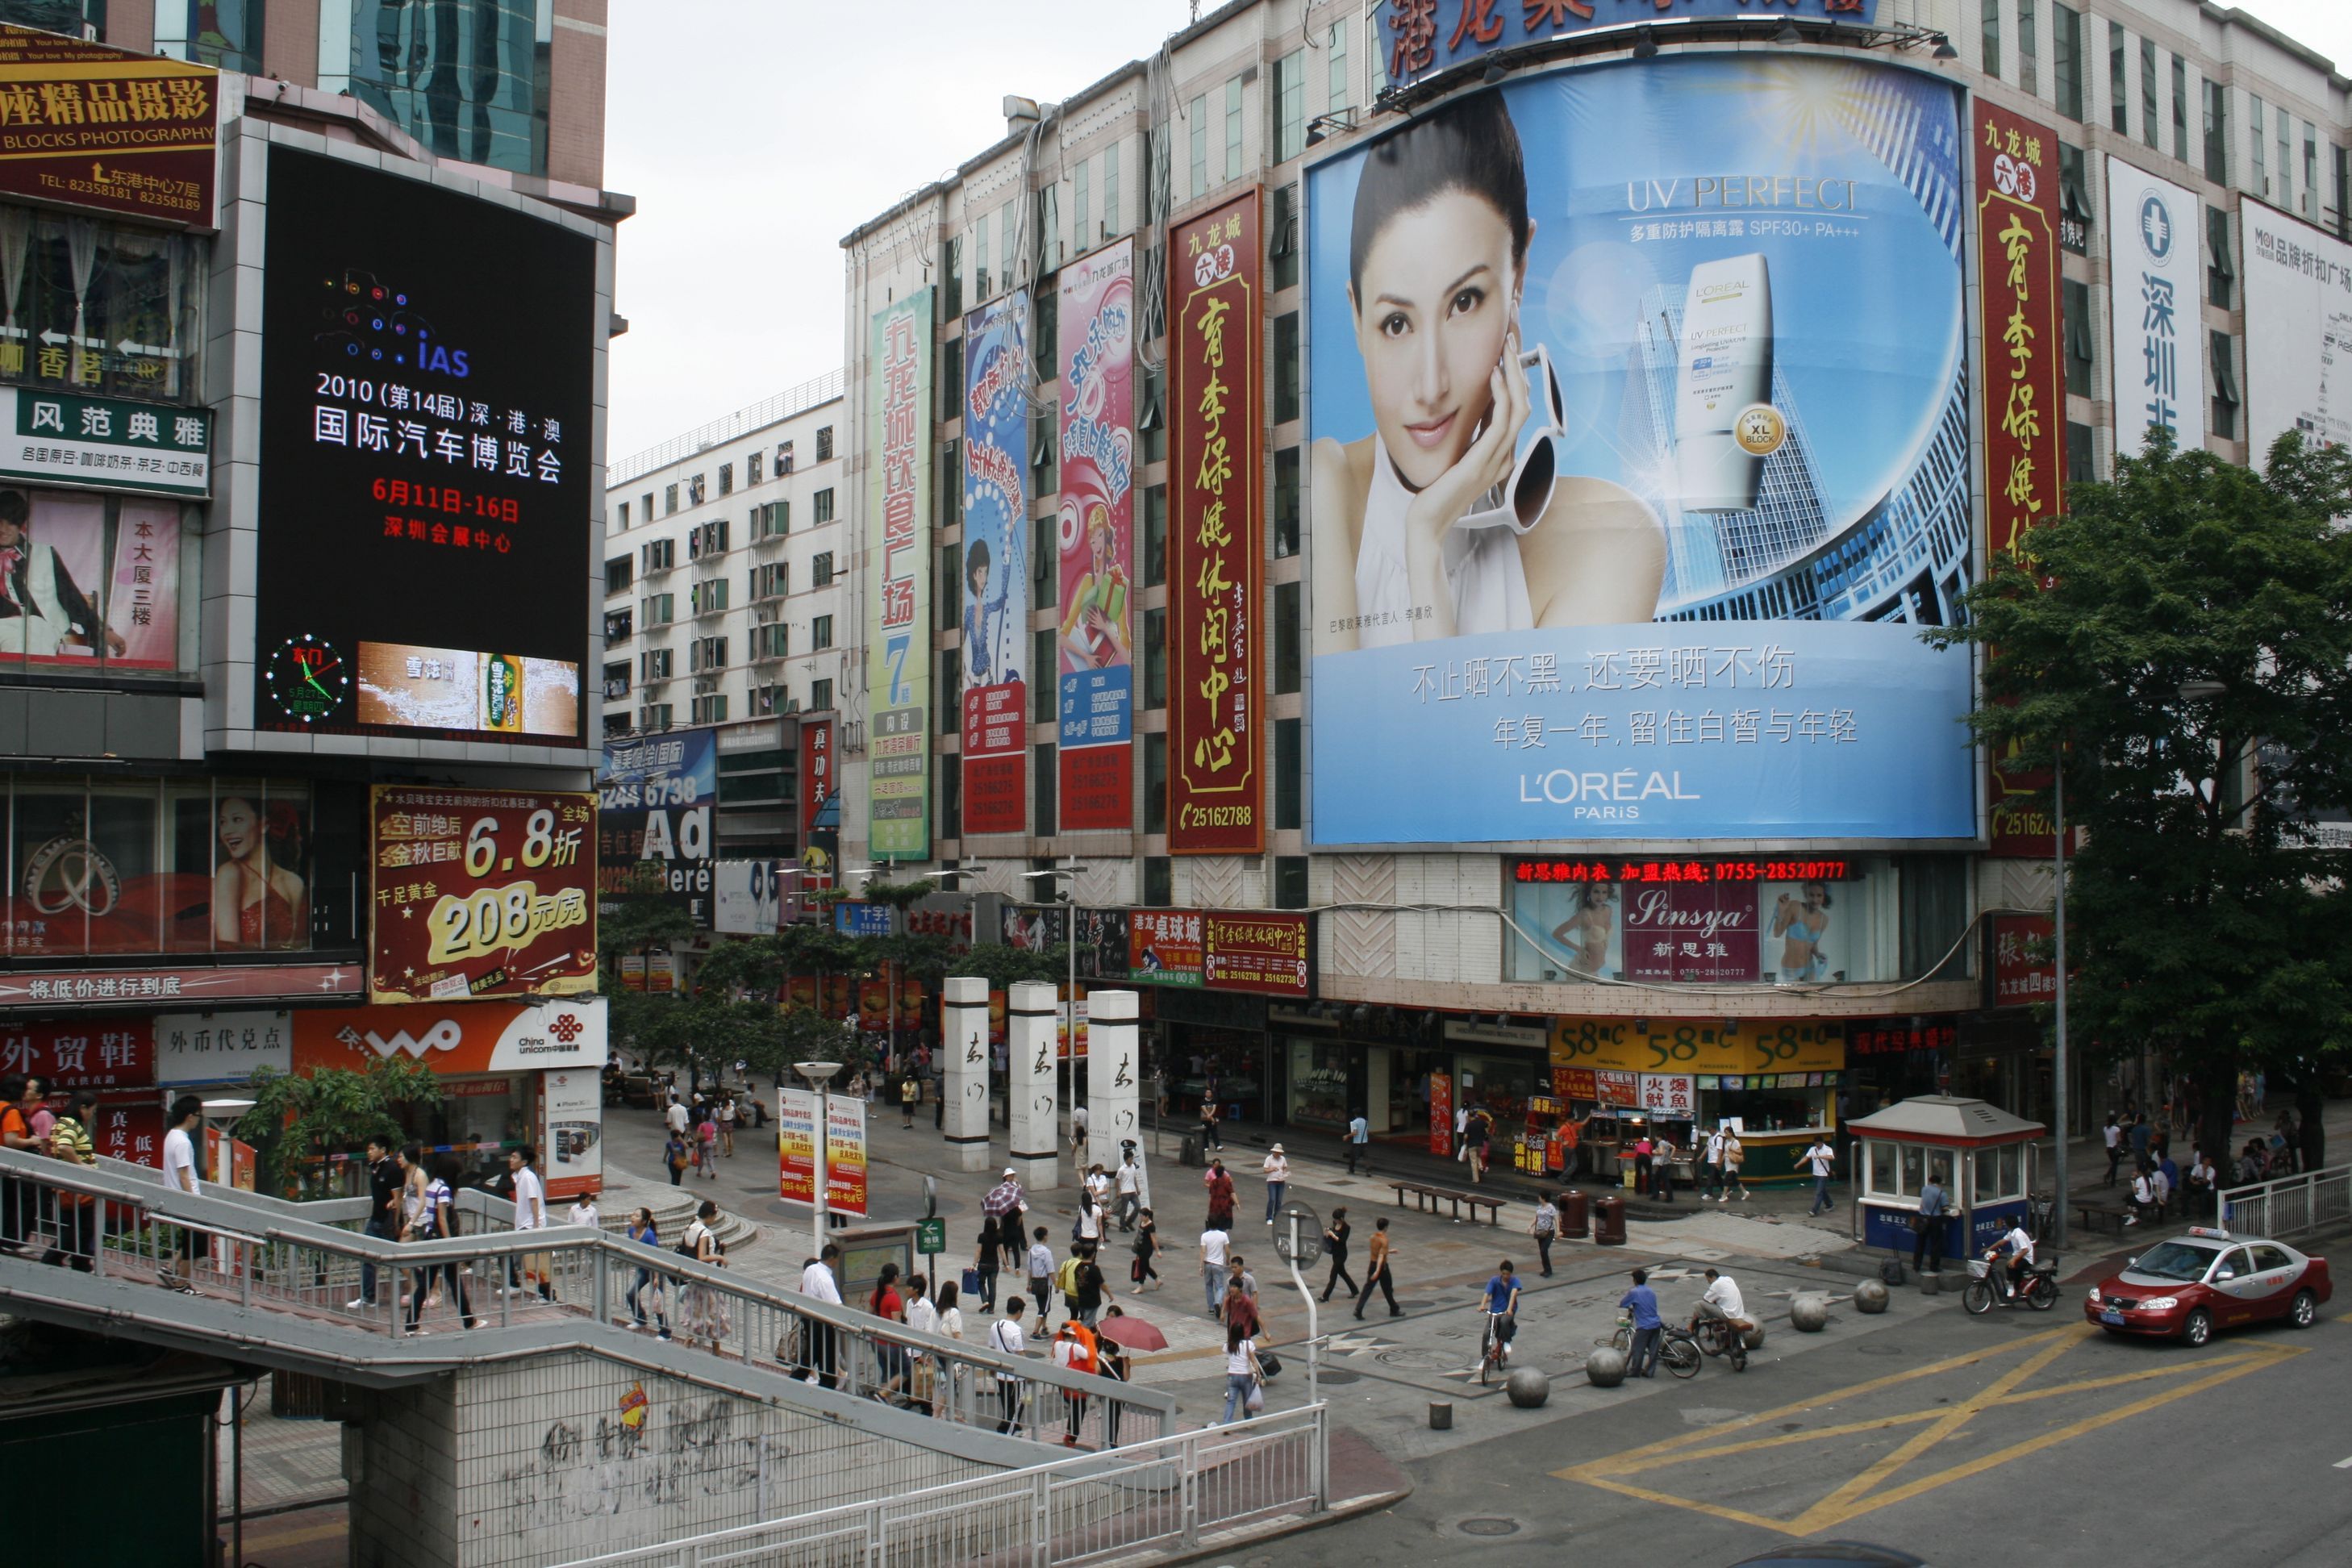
<point x="299" y="1118"/>
<point x="1002" y="966"/>
<point x="2182" y="638"/>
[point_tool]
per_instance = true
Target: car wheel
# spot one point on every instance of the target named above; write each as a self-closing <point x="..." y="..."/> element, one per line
<point x="2305" y="1309"/>
<point x="2198" y="1328"/>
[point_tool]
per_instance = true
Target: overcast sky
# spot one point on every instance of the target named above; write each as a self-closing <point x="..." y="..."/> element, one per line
<point x="755" y="133"/>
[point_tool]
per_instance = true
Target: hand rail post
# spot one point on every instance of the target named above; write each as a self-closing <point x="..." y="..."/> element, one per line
<point x="1041" y="1545"/>
<point x="601" y="1284"/>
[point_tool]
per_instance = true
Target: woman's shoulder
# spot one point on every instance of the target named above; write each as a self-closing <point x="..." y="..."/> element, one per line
<point x="1343" y="472"/>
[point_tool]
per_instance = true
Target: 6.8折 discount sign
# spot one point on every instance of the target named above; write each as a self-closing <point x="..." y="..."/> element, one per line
<point x="482" y="893"/>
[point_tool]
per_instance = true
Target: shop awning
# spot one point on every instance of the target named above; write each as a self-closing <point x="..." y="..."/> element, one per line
<point x="1946" y="1118"/>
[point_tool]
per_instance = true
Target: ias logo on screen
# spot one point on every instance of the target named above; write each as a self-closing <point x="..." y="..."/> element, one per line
<point x="2154" y="227"/>
<point x="365" y="319"/>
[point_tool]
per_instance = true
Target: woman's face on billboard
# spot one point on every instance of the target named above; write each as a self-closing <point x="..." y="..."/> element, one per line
<point x="240" y="827"/>
<point x="1436" y="303"/>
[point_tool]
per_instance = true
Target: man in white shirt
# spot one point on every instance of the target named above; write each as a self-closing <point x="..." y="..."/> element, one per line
<point x="2020" y="1247"/>
<point x="180" y="1172"/>
<point x="1129" y="1182"/>
<point x="676" y="1115"/>
<point x="1711" y="1165"/>
<point x="1275" y="1169"/>
<point x="922" y="1315"/>
<point x="1004" y="1336"/>
<point x="2143" y="1192"/>
<point x="1820" y="1158"/>
<point x="583" y="1212"/>
<point x="1077" y="1132"/>
<point x="727" y="1126"/>
<point x="817" y="1283"/>
<point x="1722" y="1300"/>
<point x="1213" y="1242"/>
<point x="1359" y="1135"/>
<point x="530" y="1214"/>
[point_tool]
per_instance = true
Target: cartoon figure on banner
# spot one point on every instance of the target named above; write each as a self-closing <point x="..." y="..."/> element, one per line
<point x="989" y="637"/>
<point x="1436" y="525"/>
<point x="1094" y="632"/>
<point x="259" y="901"/>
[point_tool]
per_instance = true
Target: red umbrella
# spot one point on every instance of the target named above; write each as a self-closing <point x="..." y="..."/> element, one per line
<point x="1133" y="1333"/>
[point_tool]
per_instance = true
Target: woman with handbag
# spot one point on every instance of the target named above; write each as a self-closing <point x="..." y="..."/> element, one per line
<point x="986" y="1262"/>
<point x="1146" y="1248"/>
<point x="1244" y="1388"/>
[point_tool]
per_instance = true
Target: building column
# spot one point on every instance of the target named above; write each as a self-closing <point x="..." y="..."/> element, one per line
<point x="1114" y="1072"/>
<point x="963" y="1056"/>
<point x="1030" y="1084"/>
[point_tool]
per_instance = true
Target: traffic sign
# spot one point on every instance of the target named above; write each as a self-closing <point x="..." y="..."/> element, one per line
<point x="1298" y="1236"/>
<point x="930" y="1237"/>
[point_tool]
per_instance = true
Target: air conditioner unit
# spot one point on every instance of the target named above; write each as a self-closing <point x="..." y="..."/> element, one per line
<point x="792" y="704"/>
<point x="852" y="737"/>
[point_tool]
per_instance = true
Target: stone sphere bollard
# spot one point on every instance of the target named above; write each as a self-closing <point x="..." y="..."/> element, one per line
<point x="1870" y="1296"/>
<point x="1810" y="1313"/>
<point x="1755" y="1334"/>
<point x="1605" y="1367"/>
<point x="1527" y="1388"/>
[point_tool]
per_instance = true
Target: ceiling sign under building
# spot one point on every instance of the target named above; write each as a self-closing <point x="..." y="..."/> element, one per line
<point x="243" y="983"/>
<point x="105" y="443"/>
<point x="1421" y="37"/>
<point x="94" y="127"/>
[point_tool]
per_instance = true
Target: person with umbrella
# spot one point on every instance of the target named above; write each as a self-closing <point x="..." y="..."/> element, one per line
<point x="1113" y="1337"/>
<point x="1006" y="1204"/>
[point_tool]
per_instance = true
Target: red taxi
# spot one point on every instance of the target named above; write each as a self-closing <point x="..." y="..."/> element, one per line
<point x="2207" y="1279"/>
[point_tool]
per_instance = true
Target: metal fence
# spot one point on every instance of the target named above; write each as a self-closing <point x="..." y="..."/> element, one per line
<point x="2289" y="1206"/>
<point x="1168" y="1493"/>
<point x="235" y="1248"/>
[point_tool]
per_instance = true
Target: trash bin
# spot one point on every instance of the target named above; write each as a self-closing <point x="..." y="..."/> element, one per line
<point x="1189" y="1152"/>
<point x="1574" y="1221"/>
<point x="1609" y="1220"/>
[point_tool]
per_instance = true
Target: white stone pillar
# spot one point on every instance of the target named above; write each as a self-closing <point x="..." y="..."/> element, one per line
<point x="1114" y="1075"/>
<point x="1029" y="1089"/>
<point x="963" y="1048"/>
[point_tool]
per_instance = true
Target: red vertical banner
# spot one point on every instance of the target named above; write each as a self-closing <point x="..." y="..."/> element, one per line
<point x="1441" y="1113"/>
<point x="818" y="785"/>
<point x="1215" y="545"/>
<point x="2025" y="394"/>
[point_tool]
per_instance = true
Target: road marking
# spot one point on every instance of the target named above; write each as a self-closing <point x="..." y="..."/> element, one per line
<point x="2344" y="1464"/>
<point x="1855" y="1496"/>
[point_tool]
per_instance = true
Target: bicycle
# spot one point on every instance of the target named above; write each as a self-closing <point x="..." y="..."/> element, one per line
<point x="1716" y="1336"/>
<point x="1495" y="1345"/>
<point x="1677" y="1350"/>
<point x="1983" y="1293"/>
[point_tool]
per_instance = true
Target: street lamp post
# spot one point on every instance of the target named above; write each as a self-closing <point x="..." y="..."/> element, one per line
<point x="819" y="1074"/>
<point x="1069" y="1090"/>
<point x="2059" y="1096"/>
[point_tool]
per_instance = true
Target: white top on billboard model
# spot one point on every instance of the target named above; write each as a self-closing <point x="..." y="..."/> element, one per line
<point x="2298" y="284"/>
<point x="2155" y="290"/>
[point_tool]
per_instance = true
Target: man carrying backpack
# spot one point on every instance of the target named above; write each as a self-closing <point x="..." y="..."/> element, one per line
<point x="1075" y="1348"/>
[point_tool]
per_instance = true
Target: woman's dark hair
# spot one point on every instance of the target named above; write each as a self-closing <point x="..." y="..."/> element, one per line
<point x="1470" y="145"/>
<point x="949" y="1291"/>
<point x="975" y="559"/>
<point x="1234" y="1337"/>
<point x="85" y="1101"/>
<point x="709" y="1210"/>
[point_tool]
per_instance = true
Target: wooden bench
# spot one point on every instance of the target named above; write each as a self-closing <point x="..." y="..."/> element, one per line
<point x="1429" y="1197"/>
<point x="2102" y="1216"/>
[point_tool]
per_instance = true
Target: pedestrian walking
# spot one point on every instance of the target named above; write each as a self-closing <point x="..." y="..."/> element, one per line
<point x="1544" y="1228"/>
<point x="1276" y="1168"/>
<point x="676" y="1115"/>
<point x="530" y="1214"/>
<point x="676" y="1157"/>
<point x="1643" y="1303"/>
<point x="1662" y="1170"/>
<point x="1819" y="1159"/>
<point x="384" y="1185"/>
<point x="1209" y="1139"/>
<point x="911" y="1094"/>
<point x="891" y="1366"/>
<point x="1461" y="1134"/>
<point x="702" y="1312"/>
<point x="1481" y="1133"/>
<point x="1336" y="1232"/>
<point x="923" y="1317"/>
<point x="820" y="1349"/>
<point x="2139" y="1134"/>
<point x="1710" y="1170"/>
<point x="1006" y="1201"/>
<point x="1245" y="1378"/>
<point x="1733" y="1153"/>
<point x="1146" y="1247"/>
<point x="19" y="1199"/>
<point x="648" y="1285"/>
<point x="1933" y="1206"/>
<point x="1087" y="1228"/>
<point x="1041" y="1277"/>
<point x="1092" y="1288"/>
<point x="1005" y="1337"/>
<point x="179" y="1173"/>
<point x="1110" y="1361"/>
<point x="439" y="1220"/>
<point x="1214" y="1243"/>
<point x="1222" y="1197"/>
<point x="2112" y="1134"/>
<point x="1078" y="1120"/>
<point x="1641" y="1162"/>
<point x="1359" y="1138"/>
<point x="727" y="1126"/>
<point x="1128" y="1185"/>
<point x="1074" y="1351"/>
<point x="1378" y="1272"/>
<point x="986" y="1258"/>
<point x="950" y="1327"/>
<point x="706" y="1145"/>
<point x="77" y="1213"/>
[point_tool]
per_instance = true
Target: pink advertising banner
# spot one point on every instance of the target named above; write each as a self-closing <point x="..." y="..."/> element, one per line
<point x="1096" y="532"/>
<point x="88" y="579"/>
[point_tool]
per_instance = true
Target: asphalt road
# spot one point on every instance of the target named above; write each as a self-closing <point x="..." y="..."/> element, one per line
<point x="1930" y="1431"/>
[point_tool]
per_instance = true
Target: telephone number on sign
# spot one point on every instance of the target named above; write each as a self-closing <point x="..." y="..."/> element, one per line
<point x="1217" y="816"/>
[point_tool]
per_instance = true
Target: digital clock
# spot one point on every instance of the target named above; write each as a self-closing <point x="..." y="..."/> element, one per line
<point x="305" y="679"/>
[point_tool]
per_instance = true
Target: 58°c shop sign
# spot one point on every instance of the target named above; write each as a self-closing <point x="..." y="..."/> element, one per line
<point x="482" y="893"/>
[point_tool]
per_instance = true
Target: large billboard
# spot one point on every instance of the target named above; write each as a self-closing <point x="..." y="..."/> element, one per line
<point x="1420" y="38"/>
<point x="424" y="525"/>
<point x="2298" y="324"/>
<point x="94" y="127"/>
<point x="656" y="827"/>
<point x="995" y="565"/>
<point x="479" y="893"/>
<point x="1096" y="665"/>
<point x="87" y="582"/>
<point x="2156" y="288"/>
<point x="899" y="424"/>
<point x="2022" y="397"/>
<point x="1215" y="542"/>
<point x="1640" y="452"/>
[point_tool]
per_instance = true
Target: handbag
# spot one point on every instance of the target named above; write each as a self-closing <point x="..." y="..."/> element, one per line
<point x="1255" y="1401"/>
<point x="1269" y="1365"/>
<point x="971" y="1281"/>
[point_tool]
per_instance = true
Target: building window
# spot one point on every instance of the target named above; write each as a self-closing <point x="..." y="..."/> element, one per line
<point x="947" y="590"/>
<point x="2258" y="179"/>
<point x="824" y="504"/>
<point x="1045" y="335"/>
<point x="751" y="464"/>
<point x="2028" y="51"/>
<point x="1151" y="413"/>
<point x="950" y="682"/>
<point x="2067" y="58"/>
<point x="820" y="633"/>
<point x="1290" y="881"/>
<point x="1286" y="632"/>
<point x="696" y="490"/>
<point x="1082" y="238"/>
<point x="1290" y="106"/>
<point x="1286" y="776"/>
<point x="979" y="253"/>
<point x="2079" y="459"/>
<point x="1285" y="366"/>
<point x="1155" y="783"/>
<point x="1042" y="691"/>
<point x="1282" y="241"/>
<point x="821" y="695"/>
<point x="727" y="478"/>
<point x="2148" y="90"/>
<point x="2118" y="89"/>
<point x="950" y="379"/>
<point x="1045" y="235"/>
<point x="645" y="507"/>
<point x="1196" y="116"/>
<point x="1008" y="236"/>
<point x="2180" y="109"/>
<point x="624" y="515"/>
<point x="950" y="489"/>
<point x="1111" y="226"/>
<point x="2074" y="199"/>
<point x="476" y="91"/>
<point x="2220" y="277"/>
<point x="1155" y="658"/>
<point x="1159" y="882"/>
<point x="821" y="569"/>
<point x="950" y="803"/>
<point x="2225" y="388"/>
<point x="618" y="576"/>
<point x="1233" y="128"/>
<point x="1041" y="792"/>
<point x="1335" y="56"/>
<point x="1045" y="580"/>
<point x="1155" y="536"/>
<point x="2285" y="157"/>
<point x="1989" y="39"/>
<point x="2216" y="134"/>
<point x="669" y="499"/>
<point x="2310" y="170"/>
<point x="823" y="443"/>
<point x="2077" y="312"/>
<point x="1286" y="502"/>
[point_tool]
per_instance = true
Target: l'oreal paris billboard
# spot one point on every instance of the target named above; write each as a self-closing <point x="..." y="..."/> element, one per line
<point x="1639" y="455"/>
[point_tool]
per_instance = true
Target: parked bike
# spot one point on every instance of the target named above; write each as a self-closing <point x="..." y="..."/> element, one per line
<point x="1678" y="1352"/>
<point x="1720" y="1336"/>
<point x="2038" y="1290"/>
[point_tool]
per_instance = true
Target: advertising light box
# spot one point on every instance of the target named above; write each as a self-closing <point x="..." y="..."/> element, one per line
<point x="1639" y="457"/>
<point x="2298" y="324"/>
<point x="425" y="522"/>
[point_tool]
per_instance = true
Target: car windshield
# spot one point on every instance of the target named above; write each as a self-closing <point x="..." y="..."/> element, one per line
<point x="2174" y="1260"/>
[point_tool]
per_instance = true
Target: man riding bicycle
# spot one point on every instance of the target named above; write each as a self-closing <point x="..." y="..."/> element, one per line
<point x="1722" y="1301"/>
<point x="2020" y="1247"/>
<point x="1500" y="1302"/>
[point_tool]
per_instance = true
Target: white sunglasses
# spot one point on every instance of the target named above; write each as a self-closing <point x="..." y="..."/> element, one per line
<point x="1519" y="502"/>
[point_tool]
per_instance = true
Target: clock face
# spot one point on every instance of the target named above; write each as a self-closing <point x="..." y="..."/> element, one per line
<point x="306" y="678"/>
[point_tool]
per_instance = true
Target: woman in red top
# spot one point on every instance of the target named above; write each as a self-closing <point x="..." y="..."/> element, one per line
<point x="886" y="1303"/>
<point x="1220" y="1197"/>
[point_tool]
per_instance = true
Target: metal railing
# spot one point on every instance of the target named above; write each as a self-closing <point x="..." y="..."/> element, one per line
<point x="2288" y="1205"/>
<point x="742" y="422"/>
<point x="249" y="1250"/>
<point x="1171" y="1492"/>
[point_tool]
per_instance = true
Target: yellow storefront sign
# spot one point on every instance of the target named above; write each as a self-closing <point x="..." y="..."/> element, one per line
<point x="1735" y="1045"/>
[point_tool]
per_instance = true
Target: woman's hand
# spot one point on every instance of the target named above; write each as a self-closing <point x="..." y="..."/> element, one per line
<point x="1486" y="463"/>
